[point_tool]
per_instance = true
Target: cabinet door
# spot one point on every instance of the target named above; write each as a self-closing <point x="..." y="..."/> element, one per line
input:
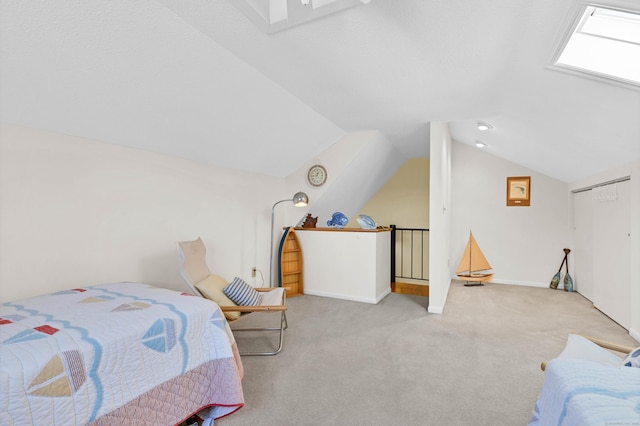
<point x="611" y="254"/>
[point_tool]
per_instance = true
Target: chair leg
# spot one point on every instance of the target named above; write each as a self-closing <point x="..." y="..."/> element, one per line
<point x="283" y="326"/>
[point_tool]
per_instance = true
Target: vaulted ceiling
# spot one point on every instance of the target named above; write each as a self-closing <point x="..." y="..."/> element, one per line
<point x="202" y="79"/>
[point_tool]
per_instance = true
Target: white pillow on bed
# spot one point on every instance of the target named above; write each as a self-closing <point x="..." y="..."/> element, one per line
<point x="578" y="347"/>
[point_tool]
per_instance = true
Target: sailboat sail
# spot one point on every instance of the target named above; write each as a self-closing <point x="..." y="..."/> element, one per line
<point x="473" y="265"/>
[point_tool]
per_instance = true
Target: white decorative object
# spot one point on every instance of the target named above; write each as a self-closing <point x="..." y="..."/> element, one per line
<point x="605" y="193"/>
<point x="366" y="222"/>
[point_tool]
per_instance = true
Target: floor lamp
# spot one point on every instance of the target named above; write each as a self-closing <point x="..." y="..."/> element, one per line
<point x="300" y="199"/>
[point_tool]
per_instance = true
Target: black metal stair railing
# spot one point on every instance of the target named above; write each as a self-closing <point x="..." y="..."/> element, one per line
<point x="409" y="253"/>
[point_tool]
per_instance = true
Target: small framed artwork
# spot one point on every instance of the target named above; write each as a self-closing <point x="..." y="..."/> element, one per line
<point x="519" y="191"/>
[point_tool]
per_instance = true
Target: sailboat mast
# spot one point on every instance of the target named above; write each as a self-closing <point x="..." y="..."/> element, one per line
<point x="470" y="250"/>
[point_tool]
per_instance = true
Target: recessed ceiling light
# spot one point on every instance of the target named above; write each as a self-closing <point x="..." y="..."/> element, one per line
<point x="484" y="126"/>
<point x="480" y="144"/>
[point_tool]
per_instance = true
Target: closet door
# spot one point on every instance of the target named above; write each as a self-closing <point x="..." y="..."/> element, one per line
<point x="582" y="253"/>
<point x="601" y="252"/>
<point x="611" y="251"/>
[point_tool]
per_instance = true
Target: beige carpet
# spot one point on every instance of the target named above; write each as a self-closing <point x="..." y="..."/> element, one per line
<point x="349" y="363"/>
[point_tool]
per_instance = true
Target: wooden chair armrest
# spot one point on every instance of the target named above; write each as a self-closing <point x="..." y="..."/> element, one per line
<point x="609" y="345"/>
<point x="267" y="308"/>
<point x="266" y="289"/>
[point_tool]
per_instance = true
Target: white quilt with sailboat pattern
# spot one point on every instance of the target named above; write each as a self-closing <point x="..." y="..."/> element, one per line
<point x="72" y="357"/>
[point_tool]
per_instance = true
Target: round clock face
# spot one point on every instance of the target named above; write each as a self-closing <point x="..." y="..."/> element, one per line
<point x="317" y="175"/>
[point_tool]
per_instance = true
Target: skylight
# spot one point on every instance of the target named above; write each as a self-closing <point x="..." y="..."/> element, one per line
<point x="272" y="16"/>
<point x="605" y="43"/>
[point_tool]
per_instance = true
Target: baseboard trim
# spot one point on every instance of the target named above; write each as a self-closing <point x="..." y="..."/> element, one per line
<point x="383" y="295"/>
<point x="347" y="297"/>
<point x="435" y="309"/>
<point x="524" y="283"/>
<point x="513" y="282"/>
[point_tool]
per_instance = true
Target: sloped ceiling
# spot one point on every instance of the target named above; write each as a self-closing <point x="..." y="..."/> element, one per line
<point x="136" y="74"/>
<point x="198" y="79"/>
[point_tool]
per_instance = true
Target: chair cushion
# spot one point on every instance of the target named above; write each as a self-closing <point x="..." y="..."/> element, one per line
<point x="242" y="293"/>
<point x="212" y="288"/>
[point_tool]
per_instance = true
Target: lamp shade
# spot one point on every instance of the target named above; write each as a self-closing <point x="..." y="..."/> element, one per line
<point x="300" y="199"/>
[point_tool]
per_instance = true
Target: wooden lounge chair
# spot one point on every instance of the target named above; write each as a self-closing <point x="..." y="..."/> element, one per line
<point x="603" y="344"/>
<point x="196" y="274"/>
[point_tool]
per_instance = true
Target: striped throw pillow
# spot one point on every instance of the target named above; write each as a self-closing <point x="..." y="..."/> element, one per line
<point x="242" y="294"/>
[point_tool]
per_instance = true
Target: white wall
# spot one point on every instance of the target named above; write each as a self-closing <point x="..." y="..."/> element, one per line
<point x="403" y="200"/>
<point x="352" y="265"/>
<point x="632" y="170"/>
<point x="439" y="216"/>
<point x="524" y="245"/>
<point x="77" y="212"/>
<point x="358" y="165"/>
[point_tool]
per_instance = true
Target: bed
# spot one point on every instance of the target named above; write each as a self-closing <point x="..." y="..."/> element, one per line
<point x="588" y="385"/>
<point x="122" y="353"/>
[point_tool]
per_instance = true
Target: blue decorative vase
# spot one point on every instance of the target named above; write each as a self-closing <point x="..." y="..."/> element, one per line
<point x="338" y="220"/>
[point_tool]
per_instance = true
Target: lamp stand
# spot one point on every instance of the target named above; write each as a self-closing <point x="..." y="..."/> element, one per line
<point x="300" y="199"/>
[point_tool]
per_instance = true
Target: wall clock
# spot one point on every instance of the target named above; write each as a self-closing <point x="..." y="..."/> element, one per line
<point x="317" y="175"/>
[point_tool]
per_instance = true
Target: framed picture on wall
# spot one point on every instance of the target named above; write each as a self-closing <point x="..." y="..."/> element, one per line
<point x="519" y="191"/>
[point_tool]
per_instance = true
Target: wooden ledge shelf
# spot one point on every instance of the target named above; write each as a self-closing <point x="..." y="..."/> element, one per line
<point x="343" y="229"/>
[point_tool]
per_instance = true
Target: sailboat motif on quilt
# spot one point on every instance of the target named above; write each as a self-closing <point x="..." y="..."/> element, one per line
<point x="474" y="267"/>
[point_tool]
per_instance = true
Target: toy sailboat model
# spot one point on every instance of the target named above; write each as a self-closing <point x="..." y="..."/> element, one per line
<point x="474" y="267"/>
